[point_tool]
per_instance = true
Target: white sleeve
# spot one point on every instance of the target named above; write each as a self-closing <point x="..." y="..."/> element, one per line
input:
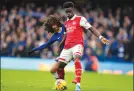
<point x="84" y="23"/>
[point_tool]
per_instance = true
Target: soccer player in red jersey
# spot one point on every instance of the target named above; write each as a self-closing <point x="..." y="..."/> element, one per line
<point x="74" y="44"/>
<point x="74" y="40"/>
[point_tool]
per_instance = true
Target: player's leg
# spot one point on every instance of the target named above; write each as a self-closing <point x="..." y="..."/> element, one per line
<point x="57" y="72"/>
<point x="60" y="72"/>
<point x="64" y="58"/>
<point x="54" y="69"/>
<point x="78" y="71"/>
<point x="58" y="65"/>
<point x="77" y="54"/>
<point x="65" y="55"/>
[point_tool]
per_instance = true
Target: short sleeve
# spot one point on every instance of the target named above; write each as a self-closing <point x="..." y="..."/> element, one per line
<point x="84" y="23"/>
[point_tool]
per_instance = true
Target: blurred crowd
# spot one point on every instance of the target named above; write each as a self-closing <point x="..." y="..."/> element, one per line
<point x="22" y="30"/>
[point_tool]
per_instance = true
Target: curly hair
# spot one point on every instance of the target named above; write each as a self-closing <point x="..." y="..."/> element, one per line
<point x="50" y="21"/>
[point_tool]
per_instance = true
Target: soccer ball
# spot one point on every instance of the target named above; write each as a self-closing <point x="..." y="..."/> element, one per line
<point x="61" y="85"/>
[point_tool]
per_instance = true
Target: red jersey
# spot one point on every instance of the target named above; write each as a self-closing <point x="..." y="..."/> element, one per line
<point x="74" y="30"/>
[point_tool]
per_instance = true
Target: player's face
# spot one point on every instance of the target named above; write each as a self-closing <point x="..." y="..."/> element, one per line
<point x="55" y="28"/>
<point x="69" y="12"/>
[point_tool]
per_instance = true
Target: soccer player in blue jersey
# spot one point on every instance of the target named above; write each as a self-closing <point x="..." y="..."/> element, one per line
<point x="53" y="25"/>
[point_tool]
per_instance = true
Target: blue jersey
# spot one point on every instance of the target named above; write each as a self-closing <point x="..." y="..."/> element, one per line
<point x="58" y="36"/>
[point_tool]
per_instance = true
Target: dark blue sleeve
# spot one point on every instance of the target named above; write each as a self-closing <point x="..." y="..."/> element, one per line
<point x="47" y="44"/>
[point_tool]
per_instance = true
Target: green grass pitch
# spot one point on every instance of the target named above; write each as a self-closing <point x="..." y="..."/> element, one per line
<point x="20" y="80"/>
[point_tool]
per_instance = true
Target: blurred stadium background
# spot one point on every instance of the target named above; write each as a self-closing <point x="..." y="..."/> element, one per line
<point x="21" y="30"/>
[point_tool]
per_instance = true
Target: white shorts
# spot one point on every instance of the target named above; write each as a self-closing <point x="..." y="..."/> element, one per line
<point x="67" y="54"/>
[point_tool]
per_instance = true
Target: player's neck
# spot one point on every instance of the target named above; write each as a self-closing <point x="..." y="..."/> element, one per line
<point x="72" y="16"/>
<point x="60" y="29"/>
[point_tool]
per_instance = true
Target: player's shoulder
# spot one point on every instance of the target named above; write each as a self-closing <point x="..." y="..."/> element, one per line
<point x="79" y="16"/>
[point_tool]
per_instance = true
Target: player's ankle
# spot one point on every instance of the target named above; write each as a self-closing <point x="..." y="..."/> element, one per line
<point x="57" y="78"/>
<point x="78" y="84"/>
<point x="55" y="75"/>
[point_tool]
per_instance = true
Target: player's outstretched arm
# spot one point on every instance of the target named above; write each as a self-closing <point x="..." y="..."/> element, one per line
<point x="84" y="23"/>
<point x="40" y="47"/>
<point x="97" y="34"/>
<point x="47" y="44"/>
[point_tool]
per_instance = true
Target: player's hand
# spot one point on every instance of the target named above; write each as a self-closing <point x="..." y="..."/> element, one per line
<point x="104" y="40"/>
<point x="30" y="52"/>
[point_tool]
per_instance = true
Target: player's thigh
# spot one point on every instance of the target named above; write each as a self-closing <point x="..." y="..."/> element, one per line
<point x="62" y="65"/>
<point x="77" y="50"/>
<point x="65" y="56"/>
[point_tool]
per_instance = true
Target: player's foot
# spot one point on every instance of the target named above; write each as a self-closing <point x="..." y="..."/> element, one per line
<point x="74" y="81"/>
<point x="54" y="88"/>
<point x="77" y="88"/>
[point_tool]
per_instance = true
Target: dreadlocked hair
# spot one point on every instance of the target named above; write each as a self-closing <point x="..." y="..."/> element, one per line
<point x="50" y="21"/>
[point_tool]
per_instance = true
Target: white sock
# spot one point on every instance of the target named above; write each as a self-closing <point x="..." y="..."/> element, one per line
<point x="78" y="84"/>
<point x="55" y="75"/>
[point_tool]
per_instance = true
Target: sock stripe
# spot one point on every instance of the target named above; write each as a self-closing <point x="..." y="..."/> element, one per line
<point x="78" y="76"/>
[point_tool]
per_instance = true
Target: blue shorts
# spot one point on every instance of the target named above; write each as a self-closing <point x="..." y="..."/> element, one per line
<point x="57" y="59"/>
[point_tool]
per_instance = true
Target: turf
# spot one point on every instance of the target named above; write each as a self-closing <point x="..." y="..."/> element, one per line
<point x="16" y="80"/>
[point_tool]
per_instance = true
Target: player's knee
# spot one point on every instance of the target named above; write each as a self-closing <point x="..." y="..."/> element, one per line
<point x="53" y="70"/>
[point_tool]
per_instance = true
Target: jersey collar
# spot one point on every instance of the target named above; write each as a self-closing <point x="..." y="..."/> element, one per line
<point x="71" y="18"/>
